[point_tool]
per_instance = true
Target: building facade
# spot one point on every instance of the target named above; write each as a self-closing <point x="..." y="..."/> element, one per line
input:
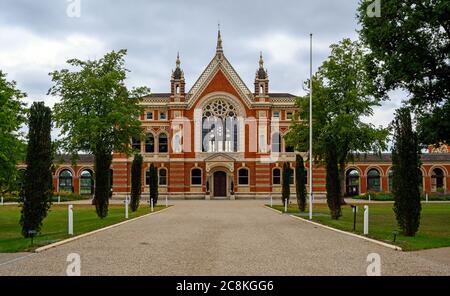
<point x="221" y="140"/>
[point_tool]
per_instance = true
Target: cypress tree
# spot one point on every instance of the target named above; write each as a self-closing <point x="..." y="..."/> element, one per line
<point x="286" y="189"/>
<point x="300" y="176"/>
<point x="406" y="177"/>
<point x="36" y="192"/>
<point x="103" y="190"/>
<point x="333" y="183"/>
<point x="153" y="184"/>
<point x="136" y="183"/>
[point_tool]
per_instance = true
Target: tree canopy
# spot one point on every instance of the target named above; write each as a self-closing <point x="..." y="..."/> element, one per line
<point x="12" y="116"/>
<point x="410" y="50"/>
<point x="342" y="96"/>
<point x="96" y="112"/>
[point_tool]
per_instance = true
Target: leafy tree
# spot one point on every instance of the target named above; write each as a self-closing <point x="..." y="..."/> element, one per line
<point x="300" y="176"/>
<point x="97" y="114"/>
<point x="154" y="192"/>
<point x="406" y="168"/>
<point x="37" y="188"/>
<point x="12" y="149"/>
<point x="343" y="95"/>
<point x="333" y="184"/>
<point x="286" y="179"/>
<point x="410" y="49"/>
<point x="136" y="182"/>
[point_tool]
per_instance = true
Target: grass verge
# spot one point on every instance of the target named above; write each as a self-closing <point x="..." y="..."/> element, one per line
<point x="434" y="229"/>
<point x="55" y="225"/>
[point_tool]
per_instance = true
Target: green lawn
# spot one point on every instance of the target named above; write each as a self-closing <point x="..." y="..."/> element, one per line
<point x="55" y="225"/>
<point x="434" y="229"/>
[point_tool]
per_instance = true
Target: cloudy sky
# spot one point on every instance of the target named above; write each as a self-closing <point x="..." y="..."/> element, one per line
<point x="37" y="37"/>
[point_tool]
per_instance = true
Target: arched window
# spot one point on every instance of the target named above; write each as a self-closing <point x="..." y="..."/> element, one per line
<point x="136" y="144"/>
<point x="437" y="180"/>
<point x="276" y="176"/>
<point x="373" y="181"/>
<point x="352" y="183"/>
<point x="243" y="177"/>
<point x="65" y="181"/>
<point x="292" y="177"/>
<point x="196" y="177"/>
<point x="391" y="180"/>
<point x="163" y="177"/>
<point x="86" y="183"/>
<point x="276" y="143"/>
<point x="163" y="143"/>
<point x="220" y="127"/>
<point x="150" y="144"/>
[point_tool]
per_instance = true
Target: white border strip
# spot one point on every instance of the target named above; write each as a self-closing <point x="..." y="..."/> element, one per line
<point x="47" y="247"/>
<point x="396" y="248"/>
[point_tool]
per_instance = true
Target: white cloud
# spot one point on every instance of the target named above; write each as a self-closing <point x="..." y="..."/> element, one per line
<point x="22" y="48"/>
<point x="285" y="49"/>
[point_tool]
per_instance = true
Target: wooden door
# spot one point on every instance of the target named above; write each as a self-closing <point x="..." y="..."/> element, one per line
<point x="220" y="184"/>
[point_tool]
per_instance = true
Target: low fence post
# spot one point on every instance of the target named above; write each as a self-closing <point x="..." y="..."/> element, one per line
<point x="70" y="224"/>
<point x="366" y="220"/>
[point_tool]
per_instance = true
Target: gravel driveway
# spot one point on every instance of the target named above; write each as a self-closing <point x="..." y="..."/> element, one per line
<point x="221" y="238"/>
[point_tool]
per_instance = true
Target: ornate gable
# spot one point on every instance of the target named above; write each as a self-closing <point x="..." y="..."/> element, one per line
<point x="219" y="64"/>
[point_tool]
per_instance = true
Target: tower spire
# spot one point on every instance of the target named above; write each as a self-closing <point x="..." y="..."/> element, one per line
<point x="219" y="40"/>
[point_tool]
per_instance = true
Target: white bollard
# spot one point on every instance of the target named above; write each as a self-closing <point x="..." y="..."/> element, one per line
<point x="2" y="203"/>
<point x="271" y="201"/>
<point x="70" y="224"/>
<point x="126" y="207"/>
<point x="427" y="197"/>
<point x="167" y="202"/>
<point x="285" y="206"/>
<point x="59" y="199"/>
<point x="366" y="220"/>
<point x="151" y="204"/>
<point x="370" y="197"/>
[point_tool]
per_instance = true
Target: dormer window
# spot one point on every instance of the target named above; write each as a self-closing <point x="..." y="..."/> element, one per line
<point x="162" y="115"/>
<point x="289" y="115"/>
<point x="276" y="115"/>
<point x="149" y="115"/>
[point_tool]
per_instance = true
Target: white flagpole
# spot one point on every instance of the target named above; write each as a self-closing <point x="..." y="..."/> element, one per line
<point x="310" y="133"/>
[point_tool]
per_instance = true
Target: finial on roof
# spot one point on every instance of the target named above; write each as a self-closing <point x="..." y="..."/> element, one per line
<point x="178" y="73"/>
<point x="261" y="61"/>
<point x="178" y="60"/>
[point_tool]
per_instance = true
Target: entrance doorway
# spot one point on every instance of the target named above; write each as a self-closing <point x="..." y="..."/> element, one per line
<point x="220" y="184"/>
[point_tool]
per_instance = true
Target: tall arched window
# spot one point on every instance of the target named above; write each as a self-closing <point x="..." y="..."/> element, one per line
<point x="220" y="127"/>
<point x="65" y="181"/>
<point x="373" y="180"/>
<point x="196" y="177"/>
<point x="292" y="177"/>
<point x="276" y="176"/>
<point x="276" y="143"/>
<point x="243" y="177"/>
<point x="352" y="182"/>
<point x="391" y="179"/>
<point x="437" y="180"/>
<point x="86" y="183"/>
<point x="162" y="177"/>
<point x="163" y="143"/>
<point x="150" y="143"/>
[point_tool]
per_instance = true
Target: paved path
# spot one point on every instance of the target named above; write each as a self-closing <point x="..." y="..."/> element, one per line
<point x="221" y="238"/>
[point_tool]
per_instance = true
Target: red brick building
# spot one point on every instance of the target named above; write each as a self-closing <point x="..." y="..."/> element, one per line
<point x="222" y="140"/>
